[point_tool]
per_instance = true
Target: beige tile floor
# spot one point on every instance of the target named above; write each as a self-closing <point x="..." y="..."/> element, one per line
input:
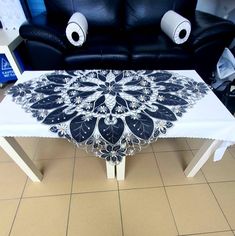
<point x="155" y="199"/>
<point x="75" y="198"/>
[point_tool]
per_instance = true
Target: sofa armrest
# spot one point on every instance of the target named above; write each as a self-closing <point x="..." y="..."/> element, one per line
<point x="207" y="28"/>
<point x="46" y="29"/>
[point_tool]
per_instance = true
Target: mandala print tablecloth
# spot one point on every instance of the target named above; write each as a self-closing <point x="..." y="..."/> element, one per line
<point x="111" y="113"/>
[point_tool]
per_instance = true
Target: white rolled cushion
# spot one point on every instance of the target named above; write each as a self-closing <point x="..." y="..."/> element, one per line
<point x="176" y="27"/>
<point x="76" y="30"/>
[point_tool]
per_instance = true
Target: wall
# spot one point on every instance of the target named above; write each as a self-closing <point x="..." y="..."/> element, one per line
<point x="225" y="7"/>
<point x="209" y="6"/>
<point x="216" y="7"/>
<point x="11" y="14"/>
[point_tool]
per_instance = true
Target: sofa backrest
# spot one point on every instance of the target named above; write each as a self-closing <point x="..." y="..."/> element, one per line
<point x="113" y="14"/>
<point x="99" y="13"/>
<point x="147" y="14"/>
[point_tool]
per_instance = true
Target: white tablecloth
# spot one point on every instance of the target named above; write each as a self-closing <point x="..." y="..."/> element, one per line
<point x="209" y="118"/>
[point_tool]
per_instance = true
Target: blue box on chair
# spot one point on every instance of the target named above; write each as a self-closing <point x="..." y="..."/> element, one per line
<point x="6" y="71"/>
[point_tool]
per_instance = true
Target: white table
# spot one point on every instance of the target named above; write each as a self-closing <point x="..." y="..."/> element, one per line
<point x="9" y="40"/>
<point x="207" y="119"/>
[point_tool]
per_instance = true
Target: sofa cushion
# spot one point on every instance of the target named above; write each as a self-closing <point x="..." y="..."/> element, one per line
<point x="99" y="13"/>
<point x="99" y="51"/>
<point x="142" y="14"/>
<point x="46" y="29"/>
<point x="157" y="51"/>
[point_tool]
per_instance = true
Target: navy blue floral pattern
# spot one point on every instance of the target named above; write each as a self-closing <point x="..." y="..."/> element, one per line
<point x="112" y="113"/>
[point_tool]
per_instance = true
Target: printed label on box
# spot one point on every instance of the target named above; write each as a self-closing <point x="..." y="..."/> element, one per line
<point x="6" y="71"/>
<point x="5" y="65"/>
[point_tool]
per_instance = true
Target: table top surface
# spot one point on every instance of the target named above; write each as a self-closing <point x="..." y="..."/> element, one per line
<point x="209" y="118"/>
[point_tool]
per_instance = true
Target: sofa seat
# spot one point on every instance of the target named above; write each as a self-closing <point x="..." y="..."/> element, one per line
<point x="154" y="50"/>
<point x="98" y="50"/>
<point x="138" y="51"/>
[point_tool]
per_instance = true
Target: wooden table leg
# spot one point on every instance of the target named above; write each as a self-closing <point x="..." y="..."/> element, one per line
<point x="207" y="149"/>
<point x="13" y="149"/>
<point x="110" y="170"/>
<point x="120" y="169"/>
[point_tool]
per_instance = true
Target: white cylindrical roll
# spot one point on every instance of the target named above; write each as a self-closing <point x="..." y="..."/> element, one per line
<point x="176" y="27"/>
<point x="76" y="29"/>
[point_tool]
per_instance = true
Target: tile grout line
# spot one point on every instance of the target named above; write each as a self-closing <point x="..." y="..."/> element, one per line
<point x="120" y="208"/>
<point x="53" y="159"/>
<point x="101" y="191"/>
<point x="223" y="231"/>
<point x="167" y="186"/>
<point x="62" y="194"/>
<point x="180" y="150"/>
<point x="21" y="197"/>
<point x="220" y="207"/>
<point x="10" y="199"/>
<point x="164" y="187"/>
<point x="71" y="190"/>
<point x="218" y="182"/>
<point x="44" y="196"/>
<point x="140" y="188"/>
<point x="208" y="183"/>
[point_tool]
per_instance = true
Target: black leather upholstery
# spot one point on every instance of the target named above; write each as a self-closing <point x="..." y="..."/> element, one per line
<point x="125" y="34"/>
<point x="100" y="51"/>
<point x="39" y="57"/>
<point x="142" y="14"/>
<point x="47" y="29"/>
<point x="208" y="28"/>
<point x="156" y="51"/>
<point x="99" y="14"/>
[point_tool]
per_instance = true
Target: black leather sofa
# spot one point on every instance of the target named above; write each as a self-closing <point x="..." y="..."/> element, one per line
<point x="125" y="34"/>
